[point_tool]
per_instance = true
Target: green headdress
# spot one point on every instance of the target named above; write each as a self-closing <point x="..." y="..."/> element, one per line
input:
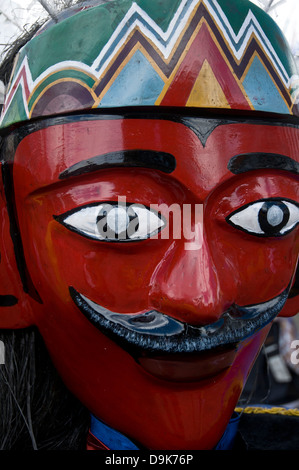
<point x="218" y="54"/>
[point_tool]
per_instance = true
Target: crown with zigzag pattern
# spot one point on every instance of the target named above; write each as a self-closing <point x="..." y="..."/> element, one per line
<point x="214" y="54"/>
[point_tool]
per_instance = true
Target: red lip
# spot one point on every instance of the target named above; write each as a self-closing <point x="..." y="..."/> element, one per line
<point x="189" y="368"/>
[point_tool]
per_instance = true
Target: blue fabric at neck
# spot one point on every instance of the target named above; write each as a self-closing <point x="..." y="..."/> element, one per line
<point x="228" y="438"/>
<point x="114" y="440"/>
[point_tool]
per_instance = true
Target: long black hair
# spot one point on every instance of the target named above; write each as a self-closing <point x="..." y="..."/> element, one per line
<point x="37" y="411"/>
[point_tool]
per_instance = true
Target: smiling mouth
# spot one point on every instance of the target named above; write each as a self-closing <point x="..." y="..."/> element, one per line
<point x="156" y="333"/>
<point x="171" y="350"/>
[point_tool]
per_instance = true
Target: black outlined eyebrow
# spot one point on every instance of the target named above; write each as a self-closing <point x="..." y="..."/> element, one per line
<point x="261" y="161"/>
<point x="152" y="159"/>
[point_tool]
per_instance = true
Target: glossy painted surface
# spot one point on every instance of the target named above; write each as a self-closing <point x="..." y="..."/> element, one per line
<point x="162" y="402"/>
<point x="187" y="53"/>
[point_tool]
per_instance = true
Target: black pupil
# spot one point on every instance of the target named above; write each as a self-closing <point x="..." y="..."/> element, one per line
<point x="110" y="232"/>
<point x="273" y="216"/>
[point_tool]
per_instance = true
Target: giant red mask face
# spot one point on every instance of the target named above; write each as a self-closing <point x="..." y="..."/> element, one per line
<point x="150" y="217"/>
<point x="157" y="325"/>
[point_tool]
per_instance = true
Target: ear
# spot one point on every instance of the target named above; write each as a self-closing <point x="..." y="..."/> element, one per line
<point x="291" y="307"/>
<point x="15" y="309"/>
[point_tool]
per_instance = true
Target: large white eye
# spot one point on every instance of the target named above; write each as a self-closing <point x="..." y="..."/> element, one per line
<point x="114" y="222"/>
<point x="267" y="217"/>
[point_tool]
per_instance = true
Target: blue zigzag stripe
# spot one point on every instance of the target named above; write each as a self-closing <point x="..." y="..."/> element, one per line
<point x="136" y="16"/>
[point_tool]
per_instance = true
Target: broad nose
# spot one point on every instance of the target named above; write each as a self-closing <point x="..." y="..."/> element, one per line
<point x="187" y="285"/>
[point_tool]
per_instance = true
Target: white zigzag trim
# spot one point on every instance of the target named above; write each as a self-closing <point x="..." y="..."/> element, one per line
<point x="33" y="83"/>
<point x="24" y="65"/>
<point x="250" y="23"/>
<point x="256" y="29"/>
<point x="169" y="37"/>
<point x="175" y="25"/>
<point x="165" y="50"/>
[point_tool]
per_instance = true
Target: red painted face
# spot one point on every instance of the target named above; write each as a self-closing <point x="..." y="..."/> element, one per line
<point x="115" y="310"/>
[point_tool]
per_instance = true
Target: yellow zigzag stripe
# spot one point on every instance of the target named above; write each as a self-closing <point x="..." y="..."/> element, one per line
<point x="274" y="410"/>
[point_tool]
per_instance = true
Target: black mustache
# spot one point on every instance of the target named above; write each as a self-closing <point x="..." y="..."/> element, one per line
<point x="158" y="333"/>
